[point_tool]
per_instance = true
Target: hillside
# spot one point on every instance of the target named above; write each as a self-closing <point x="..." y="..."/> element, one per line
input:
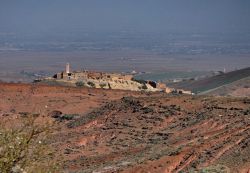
<point x="122" y="131"/>
<point x="212" y="82"/>
<point x="239" y="88"/>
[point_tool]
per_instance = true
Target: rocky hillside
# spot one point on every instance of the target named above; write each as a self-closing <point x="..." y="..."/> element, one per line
<point x="120" y="131"/>
<point x="120" y="84"/>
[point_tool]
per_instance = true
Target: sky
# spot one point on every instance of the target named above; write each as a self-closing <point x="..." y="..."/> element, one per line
<point x="121" y="15"/>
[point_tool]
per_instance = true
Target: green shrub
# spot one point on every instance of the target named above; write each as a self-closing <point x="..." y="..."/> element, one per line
<point x="102" y="85"/>
<point x="144" y="87"/>
<point x="68" y="116"/>
<point x="91" y="84"/>
<point x="109" y="86"/>
<point x="80" y="83"/>
<point x="139" y="81"/>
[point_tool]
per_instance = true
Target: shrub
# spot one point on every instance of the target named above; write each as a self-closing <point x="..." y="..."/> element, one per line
<point x="144" y="87"/>
<point x="24" y="114"/>
<point x="80" y="83"/>
<point x="68" y="116"/>
<point x="102" y="85"/>
<point x="139" y="81"/>
<point x="60" y="117"/>
<point x="91" y="84"/>
<point x="109" y="86"/>
<point x="24" y="148"/>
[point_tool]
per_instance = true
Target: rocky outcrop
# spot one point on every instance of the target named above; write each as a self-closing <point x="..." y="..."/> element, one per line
<point x="120" y="84"/>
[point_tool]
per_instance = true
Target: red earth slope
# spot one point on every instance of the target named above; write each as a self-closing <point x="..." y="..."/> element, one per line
<point x="121" y="131"/>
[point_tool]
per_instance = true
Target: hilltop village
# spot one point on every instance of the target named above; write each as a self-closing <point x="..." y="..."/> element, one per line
<point x="104" y="80"/>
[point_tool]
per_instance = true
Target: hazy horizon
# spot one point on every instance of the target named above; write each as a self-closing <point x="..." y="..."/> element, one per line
<point x="123" y="35"/>
<point x="33" y="16"/>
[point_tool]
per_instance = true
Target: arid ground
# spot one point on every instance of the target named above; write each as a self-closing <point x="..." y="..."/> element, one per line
<point x="122" y="131"/>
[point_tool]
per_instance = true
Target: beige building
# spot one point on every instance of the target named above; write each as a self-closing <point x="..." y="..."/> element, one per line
<point x="113" y="81"/>
<point x="81" y="75"/>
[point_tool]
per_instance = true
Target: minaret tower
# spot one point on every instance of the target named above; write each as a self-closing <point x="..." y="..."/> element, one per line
<point x="67" y="68"/>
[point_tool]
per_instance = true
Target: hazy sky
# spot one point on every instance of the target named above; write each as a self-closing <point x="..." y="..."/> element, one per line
<point x="117" y="15"/>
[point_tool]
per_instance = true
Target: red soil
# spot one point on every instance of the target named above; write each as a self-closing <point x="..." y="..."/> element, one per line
<point x="143" y="132"/>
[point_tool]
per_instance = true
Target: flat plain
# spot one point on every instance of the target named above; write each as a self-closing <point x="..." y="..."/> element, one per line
<point x="48" y="63"/>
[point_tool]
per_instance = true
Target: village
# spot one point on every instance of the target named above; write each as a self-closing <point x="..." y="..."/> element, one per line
<point x="121" y="81"/>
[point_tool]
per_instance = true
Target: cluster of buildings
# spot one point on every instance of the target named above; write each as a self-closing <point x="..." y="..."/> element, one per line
<point x="112" y="81"/>
<point x="78" y="75"/>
